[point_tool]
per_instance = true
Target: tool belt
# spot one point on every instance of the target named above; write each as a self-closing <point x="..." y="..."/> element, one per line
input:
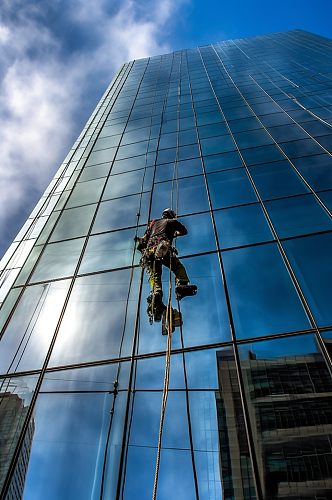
<point x="156" y="249"/>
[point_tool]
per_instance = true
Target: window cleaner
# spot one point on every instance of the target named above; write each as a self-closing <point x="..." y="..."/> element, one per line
<point x="157" y="250"/>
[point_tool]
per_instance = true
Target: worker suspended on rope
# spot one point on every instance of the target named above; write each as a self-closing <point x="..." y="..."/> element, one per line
<point x="157" y="250"/>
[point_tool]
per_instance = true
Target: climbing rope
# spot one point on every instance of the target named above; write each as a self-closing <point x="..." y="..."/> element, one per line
<point x="169" y="312"/>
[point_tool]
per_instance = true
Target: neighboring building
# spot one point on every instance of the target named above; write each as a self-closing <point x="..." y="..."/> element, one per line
<point x="13" y="413"/>
<point x="236" y="137"/>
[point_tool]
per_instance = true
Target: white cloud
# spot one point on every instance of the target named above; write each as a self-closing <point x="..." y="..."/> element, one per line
<point x="45" y="84"/>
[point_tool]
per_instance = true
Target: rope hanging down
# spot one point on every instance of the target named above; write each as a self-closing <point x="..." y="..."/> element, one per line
<point x="169" y="315"/>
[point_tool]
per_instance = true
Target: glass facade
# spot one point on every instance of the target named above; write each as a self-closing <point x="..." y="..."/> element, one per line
<point x="237" y="138"/>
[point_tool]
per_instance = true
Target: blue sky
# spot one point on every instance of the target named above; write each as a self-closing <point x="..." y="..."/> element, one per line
<point x="57" y="58"/>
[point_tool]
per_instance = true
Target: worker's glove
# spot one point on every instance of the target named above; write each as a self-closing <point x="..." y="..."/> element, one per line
<point x="136" y="239"/>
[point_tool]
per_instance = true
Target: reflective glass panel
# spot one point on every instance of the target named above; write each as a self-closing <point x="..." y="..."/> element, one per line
<point x="58" y="260"/>
<point x="231" y="187"/>
<point x="93" y="324"/>
<point x="109" y="251"/>
<point x="74" y="222"/>
<point x="263" y="298"/>
<point x="121" y="212"/>
<point x="310" y="259"/>
<point x="241" y="226"/>
<point x="277" y="179"/>
<point x="85" y="193"/>
<point x="298" y="215"/>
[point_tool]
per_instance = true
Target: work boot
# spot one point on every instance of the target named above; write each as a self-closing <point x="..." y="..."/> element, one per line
<point x="158" y="306"/>
<point x="185" y="291"/>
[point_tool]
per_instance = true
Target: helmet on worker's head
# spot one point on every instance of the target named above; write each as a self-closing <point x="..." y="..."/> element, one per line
<point x="168" y="213"/>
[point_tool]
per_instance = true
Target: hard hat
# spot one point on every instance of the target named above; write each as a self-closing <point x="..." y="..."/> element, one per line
<point x="168" y="213"/>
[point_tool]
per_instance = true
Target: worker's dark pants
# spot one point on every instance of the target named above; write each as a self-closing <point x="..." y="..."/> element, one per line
<point x="172" y="263"/>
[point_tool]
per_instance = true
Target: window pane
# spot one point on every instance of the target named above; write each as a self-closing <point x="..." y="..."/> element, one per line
<point x="277" y="179"/>
<point x="74" y="222"/>
<point x="93" y="323"/>
<point x="222" y="162"/>
<point x="192" y="196"/>
<point x="298" y="215"/>
<point x="317" y="170"/>
<point x="128" y="183"/>
<point x="231" y="187"/>
<point x="85" y="193"/>
<point x="121" y="212"/>
<point x="314" y="278"/>
<point x="58" y="260"/>
<point x="263" y="298"/>
<point x="109" y="251"/>
<point x="200" y="237"/>
<point x="241" y="226"/>
<point x="30" y="331"/>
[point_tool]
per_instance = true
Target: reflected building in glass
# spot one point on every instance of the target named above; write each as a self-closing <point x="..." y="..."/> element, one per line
<point x="236" y="137"/>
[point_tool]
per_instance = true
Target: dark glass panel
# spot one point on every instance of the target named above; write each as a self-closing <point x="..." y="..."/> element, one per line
<point x="109" y="251"/>
<point x="207" y="118"/>
<point x="275" y="119"/>
<point x="252" y="138"/>
<point x="27" y="338"/>
<point x="168" y="140"/>
<point x="287" y="133"/>
<point x="311" y="261"/>
<point x="263" y="298"/>
<point x="213" y="130"/>
<point x="183" y="168"/>
<point x="187" y="152"/>
<point x="93" y="323"/>
<point x="187" y="137"/>
<point x="200" y="237"/>
<point x="304" y="147"/>
<point x="317" y="170"/>
<point x="298" y="215"/>
<point x="222" y="162"/>
<point x="241" y="226"/>
<point x="244" y="124"/>
<point x="215" y="145"/>
<point x="231" y="187"/>
<point x="262" y="154"/>
<point x="238" y="112"/>
<point x="288" y="387"/>
<point x="317" y="128"/>
<point x="192" y="196"/>
<point x="326" y="197"/>
<point x="277" y="179"/>
<point x="74" y="222"/>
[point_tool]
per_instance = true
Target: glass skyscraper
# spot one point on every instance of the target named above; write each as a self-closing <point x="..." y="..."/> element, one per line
<point x="236" y="138"/>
